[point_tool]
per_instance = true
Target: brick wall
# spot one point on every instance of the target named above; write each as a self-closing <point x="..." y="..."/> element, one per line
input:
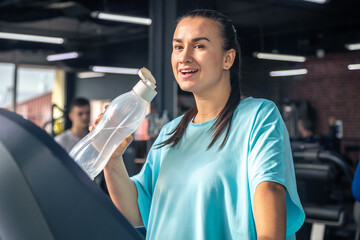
<point x="331" y="89"/>
<point x="37" y="109"/>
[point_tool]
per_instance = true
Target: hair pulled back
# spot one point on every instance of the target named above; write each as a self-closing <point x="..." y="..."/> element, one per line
<point x="224" y="119"/>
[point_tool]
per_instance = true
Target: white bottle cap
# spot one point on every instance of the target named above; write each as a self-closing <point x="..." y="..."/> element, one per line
<point x="145" y="87"/>
<point x="144" y="73"/>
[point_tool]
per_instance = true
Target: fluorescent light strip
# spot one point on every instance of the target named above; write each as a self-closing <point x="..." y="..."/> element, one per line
<point x="354" y="67"/>
<point x="118" y="70"/>
<point x="62" y="56"/>
<point x="31" y="38"/>
<point x="353" y="46"/>
<point x="280" y="57"/>
<point x="121" y="18"/>
<point x="288" y="72"/>
<point x="89" y="74"/>
<point x="317" y="1"/>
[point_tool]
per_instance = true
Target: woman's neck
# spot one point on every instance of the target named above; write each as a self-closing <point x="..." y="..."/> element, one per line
<point x="211" y="105"/>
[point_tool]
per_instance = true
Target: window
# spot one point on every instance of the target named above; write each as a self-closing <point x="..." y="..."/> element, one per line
<point x="37" y="89"/>
<point x="34" y="94"/>
<point x="6" y="85"/>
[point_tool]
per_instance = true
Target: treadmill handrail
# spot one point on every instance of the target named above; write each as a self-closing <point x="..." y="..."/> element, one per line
<point x="337" y="159"/>
<point x="316" y="155"/>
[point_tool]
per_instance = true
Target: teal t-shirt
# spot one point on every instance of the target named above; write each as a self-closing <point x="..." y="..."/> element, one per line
<point x="189" y="192"/>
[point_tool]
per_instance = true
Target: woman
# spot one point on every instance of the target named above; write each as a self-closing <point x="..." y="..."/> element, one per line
<point x="224" y="170"/>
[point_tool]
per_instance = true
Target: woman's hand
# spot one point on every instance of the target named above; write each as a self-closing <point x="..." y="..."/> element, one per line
<point x="122" y="147"/>
<point x="122" y="190"/>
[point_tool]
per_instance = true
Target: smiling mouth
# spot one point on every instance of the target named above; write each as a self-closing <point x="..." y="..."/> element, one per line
<point x="188" y="72"/>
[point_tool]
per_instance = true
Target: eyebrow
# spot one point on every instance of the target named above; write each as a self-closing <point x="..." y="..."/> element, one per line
<point x="193" y="40"/>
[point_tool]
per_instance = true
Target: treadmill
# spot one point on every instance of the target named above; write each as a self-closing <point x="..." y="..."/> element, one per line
<point x="44" y="194"/>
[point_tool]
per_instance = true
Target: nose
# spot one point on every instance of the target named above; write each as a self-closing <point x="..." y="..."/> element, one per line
<point x="186" y="55"/>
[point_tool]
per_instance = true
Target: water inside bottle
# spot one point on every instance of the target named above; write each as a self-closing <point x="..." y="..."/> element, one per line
<point x="104" y="136"/>
<point x="106" y="141"/>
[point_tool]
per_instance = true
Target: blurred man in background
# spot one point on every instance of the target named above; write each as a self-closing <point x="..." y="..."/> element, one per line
<point x="79" y="114"/>
<point x="306" y="130"/>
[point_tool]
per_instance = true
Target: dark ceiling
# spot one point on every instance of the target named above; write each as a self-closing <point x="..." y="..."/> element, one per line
<point x="295" y="26"/>
<point x="284" y="26"/>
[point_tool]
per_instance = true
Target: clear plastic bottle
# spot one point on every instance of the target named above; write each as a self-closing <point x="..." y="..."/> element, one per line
<point x="121" y="118"/>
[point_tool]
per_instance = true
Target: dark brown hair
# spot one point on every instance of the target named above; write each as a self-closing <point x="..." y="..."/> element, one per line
<point x="78" y="102"/>
<point x="224" y="119"/>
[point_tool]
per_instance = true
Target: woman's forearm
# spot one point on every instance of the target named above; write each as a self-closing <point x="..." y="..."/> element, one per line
<point x="122" y="190"/>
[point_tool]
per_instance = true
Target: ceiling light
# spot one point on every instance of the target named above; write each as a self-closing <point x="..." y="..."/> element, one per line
<point x="90" y="74"/>
<point x="121" y="18"/>
<point x="62" y="56"/>
<point x="353" y="46"/>
<point x="317" y="1"/>
<point x="288" y="72"/>
<point x="31" y="38"/>
<point x="354" y="67"/>
<point x="280" y="57"/>
<point x="118" y="70"/>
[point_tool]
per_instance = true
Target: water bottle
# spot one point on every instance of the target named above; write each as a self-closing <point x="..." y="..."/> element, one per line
<point x="121" y="118"/>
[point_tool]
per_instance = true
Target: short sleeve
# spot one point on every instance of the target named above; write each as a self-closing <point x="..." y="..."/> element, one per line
<point x="266" y="148"/>
<point x="146" y="179"/>
<point x="270" y="159"/>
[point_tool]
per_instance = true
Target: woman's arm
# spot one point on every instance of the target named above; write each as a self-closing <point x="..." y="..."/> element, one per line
<point x="270" y="211"/>
<point x="122" y="190"/>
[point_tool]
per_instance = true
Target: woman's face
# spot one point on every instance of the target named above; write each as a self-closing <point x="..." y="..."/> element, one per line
<point x="198" y="59"/>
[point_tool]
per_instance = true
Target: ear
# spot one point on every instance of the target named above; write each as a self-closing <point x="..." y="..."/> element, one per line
<point x="70" y="114"/>
<point x="229" y="58"/>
